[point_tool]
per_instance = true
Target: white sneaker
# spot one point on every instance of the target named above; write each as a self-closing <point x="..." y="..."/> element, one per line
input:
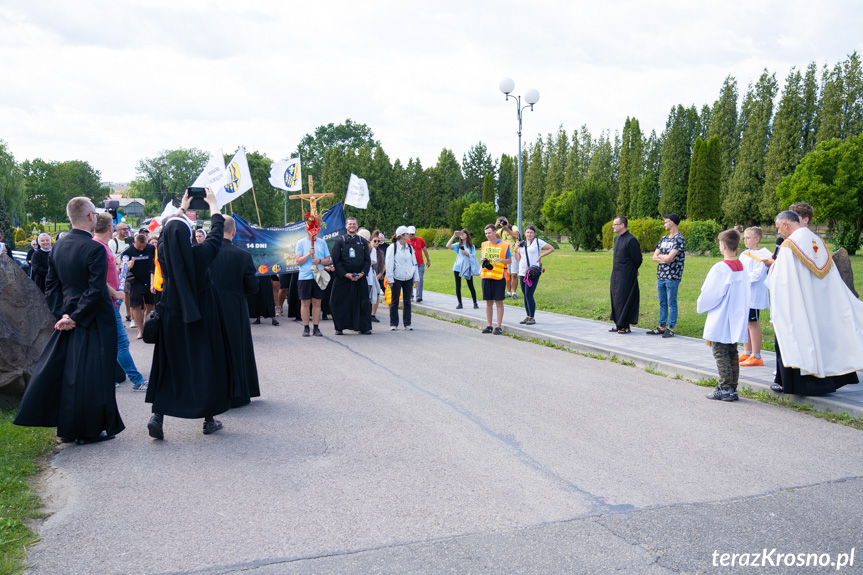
<point x="132" y="324"/>
<point x="393" y="328"/>
<point x="408" y="328"/>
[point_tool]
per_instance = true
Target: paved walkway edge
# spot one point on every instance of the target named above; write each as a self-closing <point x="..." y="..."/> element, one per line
<point x="668" y="367"/>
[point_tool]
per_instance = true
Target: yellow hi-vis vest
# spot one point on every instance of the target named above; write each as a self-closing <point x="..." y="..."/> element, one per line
<point x="491" y="251"/>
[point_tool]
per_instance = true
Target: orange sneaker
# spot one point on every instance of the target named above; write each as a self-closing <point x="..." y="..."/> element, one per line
<point x="753" y="361"/>
<point x="743" y="357"/>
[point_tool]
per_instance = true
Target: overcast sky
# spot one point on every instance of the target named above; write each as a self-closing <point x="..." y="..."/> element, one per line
<point x="112" y="82"/>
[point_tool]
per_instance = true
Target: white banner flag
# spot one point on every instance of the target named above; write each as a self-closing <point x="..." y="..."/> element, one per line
<point x="238" y="179"/>
<point x="358" y="193"/>
<point x="213" y="176"/>
<point x="287" y="175"/>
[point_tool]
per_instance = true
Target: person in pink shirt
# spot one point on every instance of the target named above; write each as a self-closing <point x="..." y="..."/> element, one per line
<point x="102" y="234"/>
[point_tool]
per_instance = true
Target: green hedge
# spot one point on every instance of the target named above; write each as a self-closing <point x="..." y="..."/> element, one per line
<point x="700" y="235"/>
<point x="441" y="237"/>
<point x="427" y="234"/>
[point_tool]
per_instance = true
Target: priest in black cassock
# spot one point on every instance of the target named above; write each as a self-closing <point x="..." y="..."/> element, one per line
<point x="262" y="303"/>
<point x="72" y="386"/>
<point x="233" y="273"/>
<point x="191" y="366"/>
<point x="349" y="302"/>
<point x="625" y="296"/>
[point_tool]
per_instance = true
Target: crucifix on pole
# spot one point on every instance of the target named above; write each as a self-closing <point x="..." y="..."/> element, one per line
<point x="312" y="197"/>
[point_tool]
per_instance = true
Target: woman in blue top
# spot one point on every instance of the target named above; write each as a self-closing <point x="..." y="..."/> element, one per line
<point x="465" y="252"/>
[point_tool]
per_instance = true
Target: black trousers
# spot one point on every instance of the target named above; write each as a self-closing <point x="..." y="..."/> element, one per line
<point x="458" y="287"/>
<point x="407" y="288"/>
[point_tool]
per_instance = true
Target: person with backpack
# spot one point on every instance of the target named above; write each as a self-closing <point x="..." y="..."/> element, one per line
<point x="402" y="277"/>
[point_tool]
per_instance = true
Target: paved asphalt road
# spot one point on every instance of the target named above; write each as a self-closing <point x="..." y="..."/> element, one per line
<point x="446" y="451"/>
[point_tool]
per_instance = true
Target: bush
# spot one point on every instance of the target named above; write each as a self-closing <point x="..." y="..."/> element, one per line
<point x="427" y="234"/>
<point x="845" y="236"/>
<point x="701" y="235"/>
<point x="476" y="217"/>
<point x="454" y="212"/>
<point x="441" y="237"/>
<point x="607" y="236"/>
<point x="648" y="232"/>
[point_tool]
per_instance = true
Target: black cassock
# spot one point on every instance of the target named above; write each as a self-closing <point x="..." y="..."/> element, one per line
<point x="39" y="267"/>
<point x="233" y="274"/>
<point x="191" y="367"/>
<point x="624" y="280"/>
<point x="262" y="303"/>
<point x="349" y="301"/>
<point x="72" y="386"/>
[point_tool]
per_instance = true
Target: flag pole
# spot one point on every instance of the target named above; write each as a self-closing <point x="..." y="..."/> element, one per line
<point x="231" y="205"/>
<point x="256" y="207"/>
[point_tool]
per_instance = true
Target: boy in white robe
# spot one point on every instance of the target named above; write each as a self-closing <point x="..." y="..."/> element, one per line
<point x="725" y="298"/>
<point x="756" y="264"/>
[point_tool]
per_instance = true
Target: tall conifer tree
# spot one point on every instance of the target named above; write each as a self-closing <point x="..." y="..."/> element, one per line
<point x="786" y="142"/>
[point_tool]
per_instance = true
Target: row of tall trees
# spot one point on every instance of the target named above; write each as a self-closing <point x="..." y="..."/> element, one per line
<point x="724" y="161"/>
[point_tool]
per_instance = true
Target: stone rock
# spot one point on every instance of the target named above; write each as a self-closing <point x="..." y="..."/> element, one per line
<point x="26" y="324"/>
<point x="843" y="264"/>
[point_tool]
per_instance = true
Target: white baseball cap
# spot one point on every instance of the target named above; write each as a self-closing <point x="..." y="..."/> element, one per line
<point x="401" y="230"/>
<point x="412" y="230"/>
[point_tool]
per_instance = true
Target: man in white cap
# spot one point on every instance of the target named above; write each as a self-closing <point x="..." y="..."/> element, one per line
<point x="419" y="246"/>
<point x="402" y="277"/>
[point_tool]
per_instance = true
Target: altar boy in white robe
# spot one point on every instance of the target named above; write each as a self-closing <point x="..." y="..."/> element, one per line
<point x="725" y="298"/>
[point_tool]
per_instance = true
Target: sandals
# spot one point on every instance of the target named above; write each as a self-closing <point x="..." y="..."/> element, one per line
<point x="624" y="330"/>
<point x="613" y="329"/>
<point x="777" y="388"/>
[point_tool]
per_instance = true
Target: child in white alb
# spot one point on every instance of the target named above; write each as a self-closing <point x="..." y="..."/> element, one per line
<point x="755" y="268"/>
<point x="725" y="298"/>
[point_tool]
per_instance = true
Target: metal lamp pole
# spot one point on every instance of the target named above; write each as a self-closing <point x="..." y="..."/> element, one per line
<point x="531" y="97"/>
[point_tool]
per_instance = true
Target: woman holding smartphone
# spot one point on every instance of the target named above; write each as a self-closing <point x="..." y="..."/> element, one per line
<point x="463" y="249"/>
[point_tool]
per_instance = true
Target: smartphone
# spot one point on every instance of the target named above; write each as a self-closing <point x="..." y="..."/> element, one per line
<point x="197" y="195"/>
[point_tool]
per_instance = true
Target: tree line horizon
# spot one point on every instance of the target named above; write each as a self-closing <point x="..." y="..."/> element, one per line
<point x="733" y="162"/>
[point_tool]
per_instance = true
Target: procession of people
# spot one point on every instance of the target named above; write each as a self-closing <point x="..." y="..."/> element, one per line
<point x="207" y="290"/>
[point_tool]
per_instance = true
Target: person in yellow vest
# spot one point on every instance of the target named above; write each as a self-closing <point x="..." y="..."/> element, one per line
<point x="495" y="256"/>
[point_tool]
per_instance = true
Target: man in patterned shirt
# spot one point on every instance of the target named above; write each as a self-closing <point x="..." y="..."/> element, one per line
<point x="670" y="253"/>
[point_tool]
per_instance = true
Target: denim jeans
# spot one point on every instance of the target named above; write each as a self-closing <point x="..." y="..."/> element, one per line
<point x="422" y="270"/>
<point x="123" y="356"/>
<point x="667" y="292"/>
<point x="527" y="291"/>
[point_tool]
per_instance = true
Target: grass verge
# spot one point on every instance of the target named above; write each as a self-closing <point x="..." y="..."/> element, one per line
<point x="21" y="449"/>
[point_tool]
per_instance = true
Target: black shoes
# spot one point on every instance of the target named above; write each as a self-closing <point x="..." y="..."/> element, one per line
<point x="275" y="321"/>
<point x="155" y="427"/>
<point x="488" y="330"/>
<point x="339" y="332"/>
<point x="656" y="331"/>
<point x="668" y="333"/>
<point x="306" y="331"/>
<point x="212" y="426"/>
<point x="257" y="321"/>
<point x="102" y="437"/>
<point x="316" y="332"/>
<point x="375" y="320"/>
<point x="366" y="332"/>
<point x="458" y="306"/>
<point x="419" y="299"/>
<point x="475" y="305"/>
<point x="498" y="331"/>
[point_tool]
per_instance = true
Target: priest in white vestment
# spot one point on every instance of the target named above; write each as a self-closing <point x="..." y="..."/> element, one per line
<point x="817" y="320"/>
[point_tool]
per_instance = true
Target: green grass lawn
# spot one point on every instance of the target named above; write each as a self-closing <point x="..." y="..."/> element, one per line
<point x="20" y="451"/>
<point x="577" y="284"/>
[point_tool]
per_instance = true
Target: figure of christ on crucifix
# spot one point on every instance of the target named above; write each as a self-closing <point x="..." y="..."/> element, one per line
<point x="311" y="197"/>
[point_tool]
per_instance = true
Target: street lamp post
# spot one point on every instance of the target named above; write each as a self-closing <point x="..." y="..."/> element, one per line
<point x="531" y="97"/>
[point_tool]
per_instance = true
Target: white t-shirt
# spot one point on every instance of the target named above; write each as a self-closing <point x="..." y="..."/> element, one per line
<point x="535" y="249"/>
